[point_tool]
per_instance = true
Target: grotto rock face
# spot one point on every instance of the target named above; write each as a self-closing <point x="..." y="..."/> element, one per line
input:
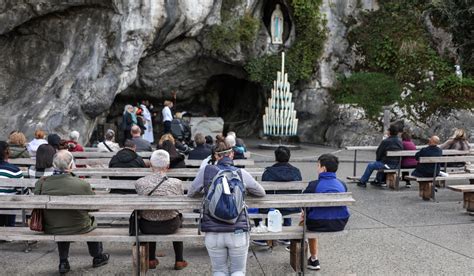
<point x="64" y="63"/>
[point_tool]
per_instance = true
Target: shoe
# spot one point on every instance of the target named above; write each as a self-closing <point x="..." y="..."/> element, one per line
<point x="287" y="248"/>
<point x="152" y="264"/>
<point x="378" y="184"/>
<point x="64" y="268"/>
<point x="313" y="265"/>
<point x="284" y="242"/>
<point x="360" y="184"/>
<point x="408" y="185"/>
<point x="100" y="261"/>
<point x="260" y="243"/>
<point x="180" y="265"/>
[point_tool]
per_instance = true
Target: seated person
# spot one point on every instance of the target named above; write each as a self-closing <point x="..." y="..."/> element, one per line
<point x="239" y="142"/>
<point x="201" y="151"/>
<point x="17" y="143"/>
<point x="44" y="162"/>
<point x="126" y="158"/>
<point x="167" y="143"/>
<point x="427" y="169"/>
<point x="408" y="161"/>
<point x="72" y="144"/>
<point x="68" y="222"/>
<point x="238" y="151"/>
<point x="35" y="143"/>
<point x="209" y="141"/>
<point x="8" y="171"/>
<point x="457" y="142"/>
<point x="392" y="143"/>
<point x="161" y="222"/>
<point x="325" y="219"/>
<point x="108" y="145"/>
<point x="140" y="143"/>
<point x="54" y="140"/>
<point x="281" y="171"/>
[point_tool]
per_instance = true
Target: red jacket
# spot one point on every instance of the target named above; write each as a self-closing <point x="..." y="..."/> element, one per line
<point x="409" y="162"/>
<point x="74" y="146"/>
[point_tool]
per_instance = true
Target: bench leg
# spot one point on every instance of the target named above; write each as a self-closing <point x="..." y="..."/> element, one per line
<point x="469" y="201"/>
<point x="425" y="189"/>
<point x="391" y="179"/>
<point x="143" y="259"/>
<point x="295" y="255"/>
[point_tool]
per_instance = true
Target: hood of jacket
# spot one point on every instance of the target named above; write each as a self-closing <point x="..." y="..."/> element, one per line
<point x="126" y="155"/>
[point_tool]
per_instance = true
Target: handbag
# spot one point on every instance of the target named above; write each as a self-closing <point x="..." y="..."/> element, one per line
<point x="131" y="220"/>
<point x="36" y="221"/>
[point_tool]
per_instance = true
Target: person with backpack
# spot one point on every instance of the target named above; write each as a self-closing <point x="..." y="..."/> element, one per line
<point x="325" y="219"/>
<point x="226" y="229"/>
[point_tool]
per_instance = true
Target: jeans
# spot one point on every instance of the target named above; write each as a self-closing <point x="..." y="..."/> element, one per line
<point x="7" y="220"/>
<point x="377" y="165"/>
<point x="224" y="246"/>
<point x="162" y="228"/>
<point x="95" y="249"/>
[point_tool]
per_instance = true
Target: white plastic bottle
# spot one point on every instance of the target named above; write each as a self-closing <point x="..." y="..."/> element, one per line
<point x="275" y="220"/>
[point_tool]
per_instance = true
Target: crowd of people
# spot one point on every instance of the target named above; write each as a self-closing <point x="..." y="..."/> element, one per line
<point x="226" y="243"/>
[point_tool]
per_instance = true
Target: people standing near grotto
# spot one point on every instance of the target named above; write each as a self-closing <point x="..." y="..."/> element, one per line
<point x="148" y="134"/>
<point x="167" y="116"/>
<point x="129" y="119"/>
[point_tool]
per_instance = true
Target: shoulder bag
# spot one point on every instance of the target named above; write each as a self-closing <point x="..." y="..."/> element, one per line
<point x="36" y="221"/>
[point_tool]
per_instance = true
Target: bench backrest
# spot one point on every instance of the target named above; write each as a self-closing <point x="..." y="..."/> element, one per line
<point x="447" y="159"/>
<point x="410" y="153"/>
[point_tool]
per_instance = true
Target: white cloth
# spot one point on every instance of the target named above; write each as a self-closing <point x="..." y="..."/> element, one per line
<point x="34" y="145"/>
<point x="148" y="135"/>
<point x="113" y="146"/>
<point x="167" y="116"/>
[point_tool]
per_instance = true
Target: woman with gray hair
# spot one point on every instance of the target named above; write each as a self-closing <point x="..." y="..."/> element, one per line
<point x="161" y="222"/>
<point x="72" y="144"/>
<point x="108" y="145"/>
<point x="129" y="119"/>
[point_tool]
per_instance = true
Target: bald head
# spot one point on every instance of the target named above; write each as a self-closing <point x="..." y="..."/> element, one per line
<point x="136" y="131"/>
<point x="434" y="140"/>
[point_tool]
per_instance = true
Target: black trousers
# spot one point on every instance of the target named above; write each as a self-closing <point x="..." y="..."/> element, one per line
<point x="162" y="228"/>
<point x="7" y="220"/>
<point x="167" y="127"/>
<point x="95" y="249"/>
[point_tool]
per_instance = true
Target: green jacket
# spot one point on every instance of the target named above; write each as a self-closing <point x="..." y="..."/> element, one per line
<point x="18" y="152"/>
<point x="65" y="222"/>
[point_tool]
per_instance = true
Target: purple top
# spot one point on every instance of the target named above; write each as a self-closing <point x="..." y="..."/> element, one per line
<point x="409" y="162"/>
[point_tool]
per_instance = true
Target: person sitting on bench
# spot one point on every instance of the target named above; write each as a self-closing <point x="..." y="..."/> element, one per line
<point x="432" y="150"/>
<point x="392" y="143"/>
<point x="325" y="219"/>
<point x="68" y="222"/>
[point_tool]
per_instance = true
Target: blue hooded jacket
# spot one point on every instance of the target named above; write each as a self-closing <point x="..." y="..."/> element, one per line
<point x="327" y="183"/>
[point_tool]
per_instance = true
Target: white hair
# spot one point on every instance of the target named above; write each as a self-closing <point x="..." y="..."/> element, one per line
<point x="125" y="110"/>
<point x="231" y="133"/>
<point x="63" y="160"/>
<point x="74" y="135"/>
<point x="160" y="159"/>
<point x="230" y="140"/>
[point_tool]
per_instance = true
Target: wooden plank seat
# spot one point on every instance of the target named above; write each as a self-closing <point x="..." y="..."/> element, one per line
<point x="468" y="195"/>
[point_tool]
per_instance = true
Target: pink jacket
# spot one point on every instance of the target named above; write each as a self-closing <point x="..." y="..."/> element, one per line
<point x="409" y="162"/>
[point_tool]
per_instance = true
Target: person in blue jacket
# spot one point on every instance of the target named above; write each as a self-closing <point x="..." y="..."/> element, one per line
<point x="325" y="219"/>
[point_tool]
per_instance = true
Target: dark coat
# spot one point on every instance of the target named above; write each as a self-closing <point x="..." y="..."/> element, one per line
<point x="176" y="159"/>
<point x="127" y="121"/>
<point x="392" y="143"/>
<point x="125" y="158"/>
<point x="427" y="170"/>
<point x="200" y="152"/>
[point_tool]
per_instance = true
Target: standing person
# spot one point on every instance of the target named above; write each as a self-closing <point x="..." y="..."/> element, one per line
<point x="325" y="219"/>
<point x="408" y="162"/>
<point x="457" y="142"/>
<point x="73" y="144"/>
<point x="17" y="142"/>
<point x="108" y="145"/>
<point x="44" y="162"/>
<point x="35" y="143"/>
<point x="68" y="222"/>
<point x="201" y="151"/>
<point x="167" y="116"/>
<point x="148" y="135"/>
<point x="140" y="143"/>
<point x="8" y="171"/>
<point x="225" y="241"/>
<point x="161" y="222"/>
<point x="128" y="120"/>
<point x="392" y="143"/>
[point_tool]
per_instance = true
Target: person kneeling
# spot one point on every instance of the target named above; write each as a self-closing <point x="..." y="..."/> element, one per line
<point x="325" y="219"/>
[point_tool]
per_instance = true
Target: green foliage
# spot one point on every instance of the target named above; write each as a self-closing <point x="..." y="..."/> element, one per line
<point x="303" y="55"/>
<point x="394" y="42"/>
<point x="371" y="91"/>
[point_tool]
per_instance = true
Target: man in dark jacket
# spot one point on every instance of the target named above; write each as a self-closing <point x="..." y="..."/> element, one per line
<point x="392" y="143"/>
<point x="126" y="158"/>
<point x="201" y="151"/>
<point x="432" y="150"/>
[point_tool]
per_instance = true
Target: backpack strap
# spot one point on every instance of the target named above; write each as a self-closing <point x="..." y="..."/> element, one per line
<point x="107" y="146"/>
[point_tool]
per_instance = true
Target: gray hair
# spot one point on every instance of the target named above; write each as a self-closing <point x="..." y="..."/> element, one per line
<point x="126" y="108"/>
<point x="63" y="160"/>
<point x="109" y="135"/>
<point x="160" y="159"/>
<point x="74" y="135"/>
<point x="230" y="140"/>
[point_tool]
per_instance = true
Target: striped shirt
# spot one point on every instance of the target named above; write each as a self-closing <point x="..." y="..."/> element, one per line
<point x="8" y="170"/>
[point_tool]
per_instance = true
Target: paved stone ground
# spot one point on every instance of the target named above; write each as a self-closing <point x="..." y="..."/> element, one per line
<point x="389" y="233"/>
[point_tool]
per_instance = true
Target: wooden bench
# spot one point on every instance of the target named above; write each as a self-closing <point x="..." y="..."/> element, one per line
<point x="468" y="195"/>
<point x="164" y="203"/>
<point x="426" y="184"/>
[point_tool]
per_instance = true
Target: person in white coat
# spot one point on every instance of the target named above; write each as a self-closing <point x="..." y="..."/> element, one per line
<point x="148" y="134"/>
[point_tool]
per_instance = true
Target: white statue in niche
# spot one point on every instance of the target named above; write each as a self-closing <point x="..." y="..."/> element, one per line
<point x="277" y="26"/>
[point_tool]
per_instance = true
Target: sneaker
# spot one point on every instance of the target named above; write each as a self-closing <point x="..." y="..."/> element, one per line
<point x="408" y="185"/>
<point x="260" y="243"/>
<point x="378" y="184"/>
<point x="152" y="264"/>
<point x="180" y="265"/>
<point x="100" y="261"/>
<point x="64" y="268"/>
<point x="313" y="265"/>
<point x="360" y="184"/>
<point x="284" y="242"/>
<point x="287" y="248"/>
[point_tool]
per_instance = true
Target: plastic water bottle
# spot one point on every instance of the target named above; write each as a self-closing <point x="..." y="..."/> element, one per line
<point x="275" y="220"/>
